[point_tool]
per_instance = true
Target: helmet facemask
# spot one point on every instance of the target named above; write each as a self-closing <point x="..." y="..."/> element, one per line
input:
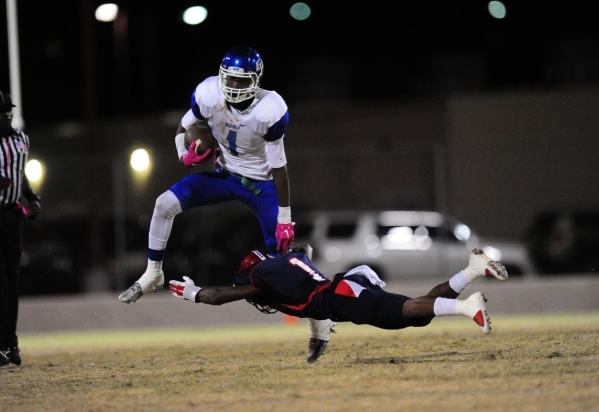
<point x="243" y="63"/>
<point x="234" y="95"/>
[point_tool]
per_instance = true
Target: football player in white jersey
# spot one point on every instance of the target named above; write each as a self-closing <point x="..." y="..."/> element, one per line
<point x="249" y="124"/>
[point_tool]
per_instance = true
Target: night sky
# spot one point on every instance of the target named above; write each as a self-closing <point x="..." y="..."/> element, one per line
<point x="377" y="50"/>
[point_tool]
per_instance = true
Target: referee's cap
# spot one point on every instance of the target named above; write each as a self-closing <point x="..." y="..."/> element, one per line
<point x="6" y="101"/>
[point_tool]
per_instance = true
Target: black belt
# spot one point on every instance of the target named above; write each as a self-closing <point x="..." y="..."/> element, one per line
<point x="11" y="206"/>
<point x="244" y="180"/>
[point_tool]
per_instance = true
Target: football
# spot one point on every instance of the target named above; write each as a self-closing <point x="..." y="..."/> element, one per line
<point x="202" y="135"/>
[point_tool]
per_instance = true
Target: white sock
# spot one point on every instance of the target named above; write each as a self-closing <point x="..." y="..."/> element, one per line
<point x="445" y="307"/>
<point x="151" y="277"/>
<point x="460" y="281"/>
<point x="320" y="329"/>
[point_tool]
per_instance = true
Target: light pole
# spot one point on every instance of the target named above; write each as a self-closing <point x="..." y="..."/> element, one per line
<point x="14" y="63"/>
<point x="119" y="212"/>
<point x="140" y="163"/>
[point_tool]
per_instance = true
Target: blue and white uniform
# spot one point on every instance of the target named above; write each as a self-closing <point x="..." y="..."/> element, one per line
<point x="251" y="141"/>
<point x="251" y="144"/>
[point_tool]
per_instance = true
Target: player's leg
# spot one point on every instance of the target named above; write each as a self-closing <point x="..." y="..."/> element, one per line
<point x="265" y="206"/>
<point x="479" y="265"/>
<point x="441" y="300"/>
<point x="420" y="311"/>
<point x="357" y="300"/>
<point x="167" y="206"/>
<point x="194" y="190"/>
<point x="10" y="249"/>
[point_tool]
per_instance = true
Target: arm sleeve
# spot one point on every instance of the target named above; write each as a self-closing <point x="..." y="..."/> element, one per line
<point x="275" y="152"/>
<point x="188" y="119"/>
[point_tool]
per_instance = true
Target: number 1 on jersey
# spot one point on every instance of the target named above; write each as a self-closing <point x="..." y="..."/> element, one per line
<point x="306" y="268"/>
<point x="232" y="139"/>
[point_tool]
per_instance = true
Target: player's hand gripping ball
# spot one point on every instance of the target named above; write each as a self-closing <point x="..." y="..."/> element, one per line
<point x="201" y="135"/>
<point x="198" y="141"/>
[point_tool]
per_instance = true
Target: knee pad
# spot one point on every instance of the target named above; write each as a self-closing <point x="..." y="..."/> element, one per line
<point x="167" y="205"/>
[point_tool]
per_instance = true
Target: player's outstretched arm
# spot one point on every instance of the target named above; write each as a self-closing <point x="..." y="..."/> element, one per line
<point x="212" y="296"/>
<point x="218" y="296"/>
<point x="284" y="230"/>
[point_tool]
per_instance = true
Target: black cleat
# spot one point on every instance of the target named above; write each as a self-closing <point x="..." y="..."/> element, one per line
<point x="316" y="349"/>
<point x="3" y="359"/>
<point x="13" y="356"/>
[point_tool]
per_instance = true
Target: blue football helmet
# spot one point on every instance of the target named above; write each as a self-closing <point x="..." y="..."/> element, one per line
<point x="243" y="62"/>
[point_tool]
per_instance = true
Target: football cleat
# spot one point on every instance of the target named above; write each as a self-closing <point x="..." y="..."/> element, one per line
<point x="316" y="348"/>
<point x="13" y="356"/>
<point x="320" y="333"/>
<point x="483" y="265"/>
<point x="3" y="359"/>
<point x="131" y="294"/>
<point x="476" y="308"/>
<point x="136" y="291"/>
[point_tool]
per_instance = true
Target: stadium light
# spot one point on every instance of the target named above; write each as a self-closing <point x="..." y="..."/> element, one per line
<point x="195" y="15"/>
<point x="300" y="11"/>
<point x="107" y="12"/>
<point x="140" y="160"/>
<point x="34" y="170"/>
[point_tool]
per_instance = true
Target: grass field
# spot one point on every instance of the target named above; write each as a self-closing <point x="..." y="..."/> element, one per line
<point x="527" y="363"/>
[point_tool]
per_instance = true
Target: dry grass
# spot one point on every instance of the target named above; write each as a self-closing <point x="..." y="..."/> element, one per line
<point x="542" y="363"/>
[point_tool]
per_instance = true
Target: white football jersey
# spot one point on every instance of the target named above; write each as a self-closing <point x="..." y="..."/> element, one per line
<point x="251" y="141"/>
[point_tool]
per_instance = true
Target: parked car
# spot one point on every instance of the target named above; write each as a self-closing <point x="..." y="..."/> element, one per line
<point x="401" y="244"/>
<point x="565" y="241"/>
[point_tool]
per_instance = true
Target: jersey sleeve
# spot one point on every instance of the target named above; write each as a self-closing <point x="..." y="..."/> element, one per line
<point x="275" y="152"/>
<point x="205" y="99"/>
<point x="271" y="117"/>
<point x="188" y="119"/>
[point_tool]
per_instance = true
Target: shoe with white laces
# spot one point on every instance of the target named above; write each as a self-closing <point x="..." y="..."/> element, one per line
<point x="320" y="333"/>
<point x="3" y="359"/>
<point x="475" y="308"/>
<point x="151" y="280"/>
<point x="482" y="265"/>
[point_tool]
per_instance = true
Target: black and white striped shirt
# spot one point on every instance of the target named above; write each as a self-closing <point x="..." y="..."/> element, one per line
<point x="14" y="150"/>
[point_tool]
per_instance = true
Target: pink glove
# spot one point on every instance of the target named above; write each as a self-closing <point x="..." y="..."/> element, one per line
<point x="191" y="158"/>
<point x="285" y="236"/>
<point x="216" y="155"/>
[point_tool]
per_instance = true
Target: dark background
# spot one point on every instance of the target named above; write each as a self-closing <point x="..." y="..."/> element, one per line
<point x="374" y="50"/>
<point x="77" y="71"/>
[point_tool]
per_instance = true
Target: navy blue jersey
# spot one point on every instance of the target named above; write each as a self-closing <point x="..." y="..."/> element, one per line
<point x="290" y="284"/>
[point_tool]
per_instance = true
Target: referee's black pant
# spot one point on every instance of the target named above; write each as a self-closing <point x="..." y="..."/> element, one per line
<point x="11" y="246"/>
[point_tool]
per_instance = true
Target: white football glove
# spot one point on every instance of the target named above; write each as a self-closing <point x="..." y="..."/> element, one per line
<point x="185" y="290"/>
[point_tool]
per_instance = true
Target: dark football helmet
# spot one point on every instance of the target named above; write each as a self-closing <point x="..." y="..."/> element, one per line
<point x="250" y="260"/>
<point x="243" y="62"/>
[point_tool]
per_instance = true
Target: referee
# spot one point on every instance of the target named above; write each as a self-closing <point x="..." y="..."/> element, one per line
<point x="14" y="149"/>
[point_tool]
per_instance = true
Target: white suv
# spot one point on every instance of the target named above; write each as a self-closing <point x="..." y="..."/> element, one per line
<point x="400" y="244"/>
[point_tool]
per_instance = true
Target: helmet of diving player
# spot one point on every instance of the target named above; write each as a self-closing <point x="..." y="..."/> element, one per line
<point x="250" y="260"/>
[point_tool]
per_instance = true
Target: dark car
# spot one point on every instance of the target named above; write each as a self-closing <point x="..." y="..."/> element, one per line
<point x="57" y="253"/>
<point x="565" y="241"/>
